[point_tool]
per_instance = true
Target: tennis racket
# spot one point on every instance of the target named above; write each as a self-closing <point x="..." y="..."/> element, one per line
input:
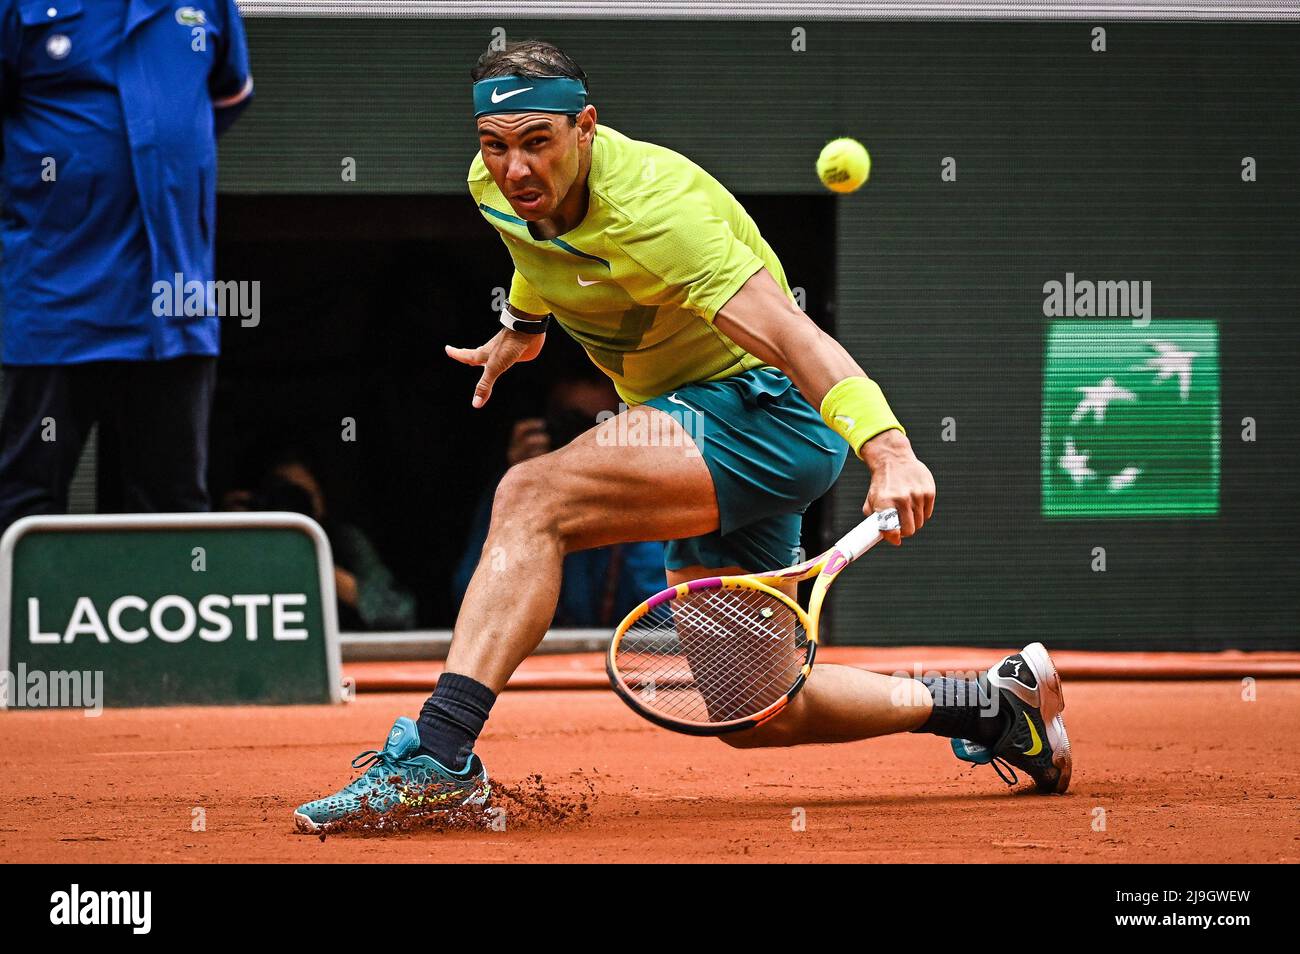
<point x="728" y="653"/>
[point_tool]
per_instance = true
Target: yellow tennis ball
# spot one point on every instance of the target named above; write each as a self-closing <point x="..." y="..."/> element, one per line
<point x="844" y="165"/>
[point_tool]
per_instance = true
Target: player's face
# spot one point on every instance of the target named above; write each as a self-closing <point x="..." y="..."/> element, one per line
<point x="535" y="159"/>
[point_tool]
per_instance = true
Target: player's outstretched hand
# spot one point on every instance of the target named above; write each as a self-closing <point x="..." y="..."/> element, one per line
<point x="496" y="356"/>
<point x="900" y="481"/>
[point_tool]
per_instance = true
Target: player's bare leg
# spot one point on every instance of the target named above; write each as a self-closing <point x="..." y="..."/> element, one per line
<point x="592" y="492"/>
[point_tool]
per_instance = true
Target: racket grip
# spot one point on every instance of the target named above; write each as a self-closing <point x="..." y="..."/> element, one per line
<point x="868" y="533"/>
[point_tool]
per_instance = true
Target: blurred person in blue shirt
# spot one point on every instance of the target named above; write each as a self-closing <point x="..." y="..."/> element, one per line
<point x="109" y="111"/>
<point x="599" y="587"/>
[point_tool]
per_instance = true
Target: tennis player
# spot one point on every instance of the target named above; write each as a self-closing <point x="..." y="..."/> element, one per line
<point x="740" y="413"/>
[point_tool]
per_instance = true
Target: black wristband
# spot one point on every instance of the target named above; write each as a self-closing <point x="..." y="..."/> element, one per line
<point x="524" y="325"/>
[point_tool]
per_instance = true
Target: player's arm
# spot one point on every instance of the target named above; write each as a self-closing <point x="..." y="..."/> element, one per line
<point x="766" y="323"/>
<point x="507" y="346"/>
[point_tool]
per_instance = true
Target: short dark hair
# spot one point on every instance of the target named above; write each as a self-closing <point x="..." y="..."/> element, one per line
<point x="531" y="59"/>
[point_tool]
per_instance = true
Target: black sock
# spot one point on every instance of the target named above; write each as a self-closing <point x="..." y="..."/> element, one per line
<point x="452" y="718"/>
<point x="963" y="710"/>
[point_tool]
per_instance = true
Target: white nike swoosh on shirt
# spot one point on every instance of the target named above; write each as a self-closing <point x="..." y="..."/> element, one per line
<point x="498" y="97"/>
<point x="585" y="284"/>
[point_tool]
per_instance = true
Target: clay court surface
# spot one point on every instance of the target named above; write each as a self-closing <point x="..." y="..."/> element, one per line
<point x="1185" y="771"/>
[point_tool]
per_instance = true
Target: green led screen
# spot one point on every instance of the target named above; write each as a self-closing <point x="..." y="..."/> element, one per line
<point x="1131" y="419"/>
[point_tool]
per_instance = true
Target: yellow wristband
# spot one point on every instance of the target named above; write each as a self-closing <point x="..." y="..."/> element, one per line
<point x="856" y="409"/>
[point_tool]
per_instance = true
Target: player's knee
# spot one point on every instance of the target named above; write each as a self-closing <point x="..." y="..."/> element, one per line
<point x="520" y="491"/>
<point x="527" y="496"/>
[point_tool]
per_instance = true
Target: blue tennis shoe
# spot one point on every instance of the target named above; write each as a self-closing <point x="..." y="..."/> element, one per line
<point x="397" y="784"/>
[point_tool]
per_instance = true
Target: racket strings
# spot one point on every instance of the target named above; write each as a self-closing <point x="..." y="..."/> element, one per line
<point x="727" y="672"/>
<point x="741" y="676"/>
<point x="658" y="638"/>
<point x="714" y="655"/>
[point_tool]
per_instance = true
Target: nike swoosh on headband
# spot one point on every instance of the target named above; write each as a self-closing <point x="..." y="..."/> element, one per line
<point x="498" y="97"/>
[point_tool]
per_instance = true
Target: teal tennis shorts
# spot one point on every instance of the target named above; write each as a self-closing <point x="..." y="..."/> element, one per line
<point x="770" y="455"/>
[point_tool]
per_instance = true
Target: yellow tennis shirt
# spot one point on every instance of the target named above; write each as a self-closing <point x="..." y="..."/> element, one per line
<point x="638" y="282"/>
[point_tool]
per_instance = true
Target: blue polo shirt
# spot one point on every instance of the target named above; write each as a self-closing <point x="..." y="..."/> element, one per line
<point x="110" y="110"/>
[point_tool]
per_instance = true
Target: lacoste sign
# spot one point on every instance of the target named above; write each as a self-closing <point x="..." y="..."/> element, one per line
<point x="250" y="620"/>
